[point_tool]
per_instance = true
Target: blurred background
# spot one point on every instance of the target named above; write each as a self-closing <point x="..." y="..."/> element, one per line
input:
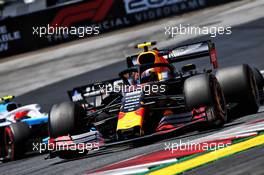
<point x="11" y="8"/>
<point x="41" y="69"/>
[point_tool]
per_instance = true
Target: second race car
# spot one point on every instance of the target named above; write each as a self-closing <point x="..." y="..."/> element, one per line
<point x="20" y="126"/>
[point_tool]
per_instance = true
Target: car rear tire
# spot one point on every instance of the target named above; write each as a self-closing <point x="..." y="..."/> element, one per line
<point x="240" y="87"/>
<point x="65" y="118"/>
<point x="16" y="136"/>
<point x="260" y="83"/>
<point x="259" y="78"/>
<point x="204" y="91"/>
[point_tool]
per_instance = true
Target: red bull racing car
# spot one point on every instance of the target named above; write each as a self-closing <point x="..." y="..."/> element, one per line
<point x="152" y="97"/>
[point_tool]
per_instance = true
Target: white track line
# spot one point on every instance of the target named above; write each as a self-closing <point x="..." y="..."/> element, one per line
<point x="135" y="169"/>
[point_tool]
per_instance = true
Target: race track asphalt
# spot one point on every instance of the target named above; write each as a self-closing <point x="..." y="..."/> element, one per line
<point x="245" y="45"/>
<point x="248" y="162"/>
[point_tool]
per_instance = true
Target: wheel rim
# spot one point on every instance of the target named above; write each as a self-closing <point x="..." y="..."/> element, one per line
<point x="220" y="101"/>
<point x="253" y="87"/>
<point x="9" y="144"/>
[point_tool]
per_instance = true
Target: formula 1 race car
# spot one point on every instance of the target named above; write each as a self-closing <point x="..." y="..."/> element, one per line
<point x="153" y="97"/>
<point x="20" y="126"/>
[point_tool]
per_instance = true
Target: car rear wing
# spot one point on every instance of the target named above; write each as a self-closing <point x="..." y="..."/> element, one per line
<point x="185" y="52"/>
<point x="193" y="51"/>
<point x="80" y="94"/>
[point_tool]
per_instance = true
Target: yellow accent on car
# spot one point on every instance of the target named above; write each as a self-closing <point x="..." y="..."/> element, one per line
<point x="129" y="120"/>
<point x="159" y="76"/>
<point x="146" y="44"/>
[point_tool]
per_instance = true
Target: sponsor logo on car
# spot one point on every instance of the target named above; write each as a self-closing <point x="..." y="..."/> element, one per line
<point x="76" y="96"/>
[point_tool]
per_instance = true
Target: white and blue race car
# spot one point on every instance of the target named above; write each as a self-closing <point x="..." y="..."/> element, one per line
<point x="20" y="127"/>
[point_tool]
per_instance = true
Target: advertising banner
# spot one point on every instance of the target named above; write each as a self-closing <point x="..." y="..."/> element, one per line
<point x="82" y="19"/>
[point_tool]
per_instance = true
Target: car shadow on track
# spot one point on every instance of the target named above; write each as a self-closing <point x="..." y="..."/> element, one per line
<point x="125" y="147"/>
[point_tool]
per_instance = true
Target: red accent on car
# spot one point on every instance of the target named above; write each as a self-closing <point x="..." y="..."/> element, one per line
<point x="8" y="133"/>
<point x="63" y="142"/>
<point x="20" y="115"/>
<point x="198" y="113"/>
<point x="140" y="111"/>
<point x="167" y="112"/>
<point x="213" y="58"/>
<point x="165" y="127"/>
<point x="121" y="115"/>
<point x="51" y="144"/>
